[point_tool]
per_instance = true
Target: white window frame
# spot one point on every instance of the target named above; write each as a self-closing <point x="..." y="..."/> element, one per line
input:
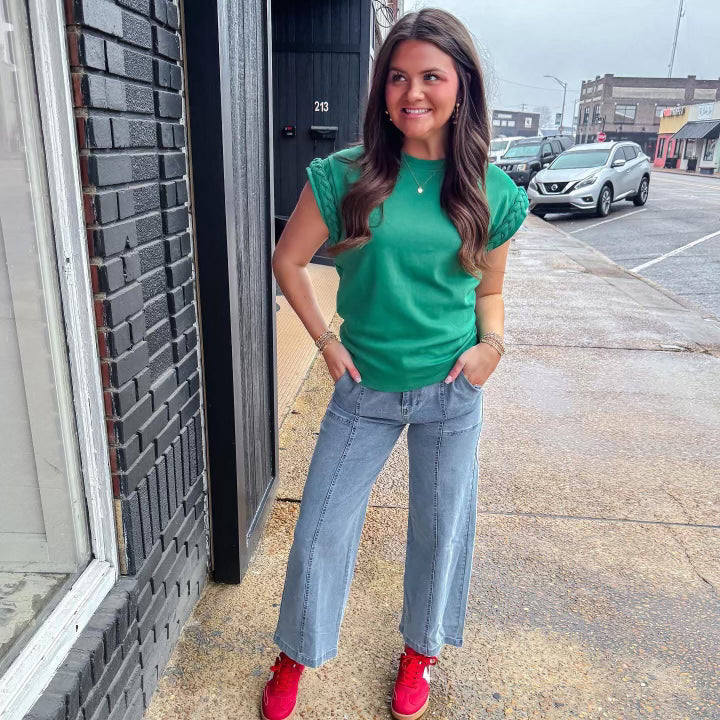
<point x="32" y="670"/>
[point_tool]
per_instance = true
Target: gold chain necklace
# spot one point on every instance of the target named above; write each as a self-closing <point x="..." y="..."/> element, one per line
<point x="420" y="186"/>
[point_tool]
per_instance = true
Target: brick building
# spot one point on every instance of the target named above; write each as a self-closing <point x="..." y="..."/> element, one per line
<point x="512" y="123"/>
<point x="137" y="317"/>
<point x="630" y="108"/>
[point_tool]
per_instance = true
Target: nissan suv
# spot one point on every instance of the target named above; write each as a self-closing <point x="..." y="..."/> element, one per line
<point x="590" y="178"/>
<point x="527" y="157"/>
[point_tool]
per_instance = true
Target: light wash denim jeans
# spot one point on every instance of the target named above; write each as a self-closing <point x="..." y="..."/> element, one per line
<point x="358" y="431"/>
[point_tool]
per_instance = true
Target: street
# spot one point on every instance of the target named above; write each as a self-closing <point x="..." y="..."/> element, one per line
<point x="674" y="240"/>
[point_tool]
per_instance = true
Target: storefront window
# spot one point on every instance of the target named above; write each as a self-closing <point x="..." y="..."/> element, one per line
<point x="661" y="148"/>
<point x="44" y="536"/>
<point x="625" y="114"/>
<point x="690" y="151"/>
<point x="710" y="146"/>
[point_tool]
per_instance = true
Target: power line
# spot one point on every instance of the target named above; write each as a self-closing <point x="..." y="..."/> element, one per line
<point x="536" y="87"/>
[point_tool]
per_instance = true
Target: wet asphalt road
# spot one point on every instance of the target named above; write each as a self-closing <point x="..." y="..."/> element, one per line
<point x="680" y="210"/>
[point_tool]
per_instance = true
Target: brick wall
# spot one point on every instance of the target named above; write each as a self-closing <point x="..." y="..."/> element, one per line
<point x="127" y="81"/>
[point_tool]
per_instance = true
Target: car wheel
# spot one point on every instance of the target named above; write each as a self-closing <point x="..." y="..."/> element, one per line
<point x="642" y="193"/>
<point x="604" y="202"/>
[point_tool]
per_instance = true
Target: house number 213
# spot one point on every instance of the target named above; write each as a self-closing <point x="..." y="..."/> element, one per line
<point x="321" y="106"/>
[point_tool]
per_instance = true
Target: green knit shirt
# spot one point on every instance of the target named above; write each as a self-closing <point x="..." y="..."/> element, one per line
<point x="408" y="306"/>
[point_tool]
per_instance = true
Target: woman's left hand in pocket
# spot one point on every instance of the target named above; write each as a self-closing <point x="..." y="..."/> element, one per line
<point x="478" y="363"/>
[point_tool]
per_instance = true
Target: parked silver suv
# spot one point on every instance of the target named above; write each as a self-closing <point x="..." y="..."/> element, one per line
<point x="591" y="177"/>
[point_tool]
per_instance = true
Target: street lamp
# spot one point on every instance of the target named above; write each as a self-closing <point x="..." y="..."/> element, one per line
<point x="564" y="87"/>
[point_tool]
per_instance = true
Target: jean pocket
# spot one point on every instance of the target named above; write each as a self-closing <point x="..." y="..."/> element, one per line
<point x="342" y="377"/>
<point x="478" y="388"/>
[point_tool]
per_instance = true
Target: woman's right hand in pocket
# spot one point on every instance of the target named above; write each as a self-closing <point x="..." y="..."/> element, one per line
<point x="338" y="361"/>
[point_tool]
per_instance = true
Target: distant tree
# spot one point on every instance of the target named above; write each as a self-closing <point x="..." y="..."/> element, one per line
<point x="545" y="115"/>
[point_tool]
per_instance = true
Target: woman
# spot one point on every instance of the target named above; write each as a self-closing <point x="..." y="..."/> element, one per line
<point x="417" y="222"/>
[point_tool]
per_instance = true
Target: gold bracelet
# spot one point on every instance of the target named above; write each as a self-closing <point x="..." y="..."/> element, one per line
<point x="327" y="337"/>
<point x="495" y="341"/>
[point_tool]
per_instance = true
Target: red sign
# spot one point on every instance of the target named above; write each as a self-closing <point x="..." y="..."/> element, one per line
<point x="601" y="137"/>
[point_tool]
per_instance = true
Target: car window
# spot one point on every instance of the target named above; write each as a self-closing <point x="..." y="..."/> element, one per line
<point x="630" y="152"/>
<point x="556" y="146"/>
<point x="522" y="151"/>
<point x="580" y="159"/>
<point x="619" y="155"/>
<point x="566" y="142"/>
<point x="546" y="149"/>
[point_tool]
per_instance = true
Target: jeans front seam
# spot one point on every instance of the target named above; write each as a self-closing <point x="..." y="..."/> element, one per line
<point x="311" y="553"/>
<point x="435" y="531"/>
<point x="460" y="615"/>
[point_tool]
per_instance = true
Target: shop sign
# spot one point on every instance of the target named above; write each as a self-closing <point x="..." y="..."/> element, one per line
<point x="674" y="111"/>
<point x="705" y="111"/>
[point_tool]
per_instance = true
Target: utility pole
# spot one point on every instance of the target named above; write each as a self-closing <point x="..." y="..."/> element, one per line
<point x="522" y="107"/>
<point x="681" y="14"/>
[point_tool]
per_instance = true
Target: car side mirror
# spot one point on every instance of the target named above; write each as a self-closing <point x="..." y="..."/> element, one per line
<point x="619" y="162"/>
<point x="546" y="165"/>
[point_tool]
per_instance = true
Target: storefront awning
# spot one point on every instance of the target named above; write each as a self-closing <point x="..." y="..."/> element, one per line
<point x="698" y="130"/>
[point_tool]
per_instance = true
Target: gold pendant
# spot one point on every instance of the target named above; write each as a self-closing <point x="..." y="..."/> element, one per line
<point x="420" y="190"/>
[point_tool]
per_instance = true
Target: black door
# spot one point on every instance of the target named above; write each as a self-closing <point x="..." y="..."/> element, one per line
<point x="229" y="111"/>
<point x="321" y="55"/>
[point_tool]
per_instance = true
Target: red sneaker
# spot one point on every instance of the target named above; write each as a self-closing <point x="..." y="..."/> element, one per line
<point x="280" y="693"/>
<point x="412" y="686"/>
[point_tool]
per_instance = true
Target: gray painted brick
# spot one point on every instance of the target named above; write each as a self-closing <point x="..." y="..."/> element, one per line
<point x="48" y="707"/>
<point x="127" y="425"/>
<point x="161" y="470"/>
<point x="161" y="361"/>
<point x="187" y="366"/>
<point x="181" y="189"/>
<point x="142" y="382"/>
<point x="177" y="457"/>
<point x="168" y="194"/>
<point x="136" y="708"/>
<point x="172" y="164"/>
<point x="128" y="453"/>
<point x="176" y="300"/>
<point x="150" y="429"/>
<point x="137" y="328"/>
<point x="105" y="205"/>
<point x="136" y="30"/>
<point x="119" y="340"/>
<point x="151" y="255"/>
<point x="98" y="133"/>
<point x="110" y="273"/>
<point x="129" y="364"/>
<point x="185" y="243"/>
<point x="162" y="388"/>
<point x="179" y="348"/>
<point x="153" y="283"/>
<point x="167" y="435"/>
<point x="120" y="305"/>
<point x="183" y="320"/>
<point x="161" y="69"/>
<point x="124" y="398"/>
<point x="173" y="18"/>
<point x="92" y="51"/>
<point x="188" y="410"/>
<point x="170" y="474"/>
<point x="187" y="480"/>
<point x="113" y="239"/>
<point x="154" y="503"/>
<point x="179" y="135"/>
<point x="178" y="399"/>
<point x="158" y="336"/>
<point x="192" y="497"/>
<point x="128" y="63"/>
<point x="156" y="310"/>
<point x="99" y="15"/>
<point x="129" y="479"/>
<point x="165" y="136"/>
<point x="173" y="249"/>
<point x="131" y="265"/>
<point x="167" y="536"/>
<point x="166" y="43"/>
<point x="175" y="220"/>
<point x="153" y="558"/>
<point x="142" y="491"/>
<point x="141" y="6"/>
<point x="194" y="382"/>
<point x="178" y="272"/>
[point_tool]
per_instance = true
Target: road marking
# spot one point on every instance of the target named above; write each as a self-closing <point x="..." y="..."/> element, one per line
<point x="696" y="185"/>
<point x="674" y="252"/>
<point x="619" y="217"/>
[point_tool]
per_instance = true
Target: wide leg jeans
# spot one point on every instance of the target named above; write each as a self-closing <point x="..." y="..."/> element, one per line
<point x="358" y="432"/>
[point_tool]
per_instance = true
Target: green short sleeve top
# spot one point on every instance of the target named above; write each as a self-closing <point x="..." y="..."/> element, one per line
<point x="408" y="306"/>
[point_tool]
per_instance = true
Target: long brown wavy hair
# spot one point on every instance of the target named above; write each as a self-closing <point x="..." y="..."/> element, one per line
<point x="466" y="151"/>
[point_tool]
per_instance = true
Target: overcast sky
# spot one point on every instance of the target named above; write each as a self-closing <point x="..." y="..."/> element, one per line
<point x="526" y="39"/>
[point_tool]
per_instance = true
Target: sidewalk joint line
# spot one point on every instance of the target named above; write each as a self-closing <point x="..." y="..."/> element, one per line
<point x="594" y="518"/>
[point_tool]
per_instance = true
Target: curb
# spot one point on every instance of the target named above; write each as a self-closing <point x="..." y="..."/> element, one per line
<point x="702" y="331"/>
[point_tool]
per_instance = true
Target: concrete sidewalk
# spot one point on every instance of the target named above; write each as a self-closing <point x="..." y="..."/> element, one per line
<point x="597" y="558"/>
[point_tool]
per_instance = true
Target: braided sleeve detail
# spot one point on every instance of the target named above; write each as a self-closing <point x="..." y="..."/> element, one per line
<point x="325" y="195"/>
<point x="513" y="219"/>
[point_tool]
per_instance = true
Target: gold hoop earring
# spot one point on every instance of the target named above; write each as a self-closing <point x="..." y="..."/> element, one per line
<point x="455" y="113"/>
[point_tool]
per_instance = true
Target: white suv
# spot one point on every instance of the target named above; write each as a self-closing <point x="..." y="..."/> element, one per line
<point x="591" y="177"/>
<point x="500" y="146"/>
